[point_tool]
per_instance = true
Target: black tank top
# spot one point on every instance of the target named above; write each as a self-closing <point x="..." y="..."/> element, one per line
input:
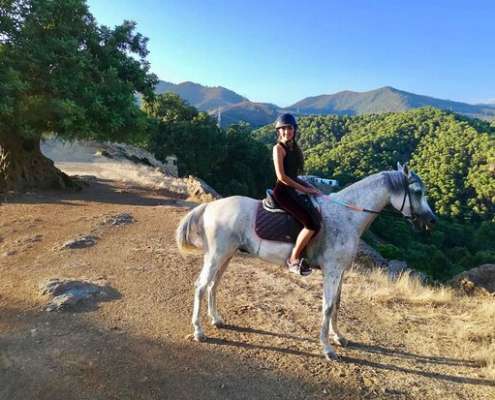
<point x="291" y="162"/>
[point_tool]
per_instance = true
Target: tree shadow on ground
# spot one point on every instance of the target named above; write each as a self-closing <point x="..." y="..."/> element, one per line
<point x="103" y="191"/>
<point x="63" y="356"/>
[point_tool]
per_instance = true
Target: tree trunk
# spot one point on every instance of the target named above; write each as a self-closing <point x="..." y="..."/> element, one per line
<point x="23" y="167"/>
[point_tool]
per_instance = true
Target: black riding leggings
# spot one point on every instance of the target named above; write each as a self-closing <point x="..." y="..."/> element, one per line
<point x="288" y="199"/>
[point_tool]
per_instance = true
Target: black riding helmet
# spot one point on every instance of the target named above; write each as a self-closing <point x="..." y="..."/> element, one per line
<point x="285" y="120"/>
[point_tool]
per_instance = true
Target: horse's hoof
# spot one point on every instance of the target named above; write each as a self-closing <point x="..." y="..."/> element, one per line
<point x="218" y="323"/>
<point x="331" y="356"/>
<point x="340" y="341"/>
<point x="199" y="337"/>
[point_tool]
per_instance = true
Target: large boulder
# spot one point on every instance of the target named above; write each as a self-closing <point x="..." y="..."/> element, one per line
<point x="476" y="281"/>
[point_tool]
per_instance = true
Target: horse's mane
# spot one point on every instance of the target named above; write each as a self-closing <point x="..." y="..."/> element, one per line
<point x="393" y="179"/>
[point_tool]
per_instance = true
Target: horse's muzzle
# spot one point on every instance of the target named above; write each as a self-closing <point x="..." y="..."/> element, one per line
<point x="425" y="221"/>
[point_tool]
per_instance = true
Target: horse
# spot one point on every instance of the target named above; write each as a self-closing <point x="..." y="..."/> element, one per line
<point x="220" y="228"/>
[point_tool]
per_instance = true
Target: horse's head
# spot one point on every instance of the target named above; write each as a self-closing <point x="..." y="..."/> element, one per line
<point x="411" y="200"/>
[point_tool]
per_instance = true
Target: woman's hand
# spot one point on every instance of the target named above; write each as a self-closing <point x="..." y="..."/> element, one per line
<point x="312" y="190"/>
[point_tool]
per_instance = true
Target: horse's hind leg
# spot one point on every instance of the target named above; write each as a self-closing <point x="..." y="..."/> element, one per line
<point x="212" y="263"/>
<point x="216" y="319"/>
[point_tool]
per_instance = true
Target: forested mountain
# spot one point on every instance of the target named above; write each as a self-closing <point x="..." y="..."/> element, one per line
<point x="386" y="99"/>
<point x="235" y="108"/>
<point x="204" y="98"/>
<point x="256" y="114"/>
<point x="454" y="155"/>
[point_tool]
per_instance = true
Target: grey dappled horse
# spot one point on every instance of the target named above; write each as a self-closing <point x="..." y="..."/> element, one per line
<point x="223" y="226"/>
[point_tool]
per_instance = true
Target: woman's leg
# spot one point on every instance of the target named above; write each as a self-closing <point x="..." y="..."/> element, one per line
<point x="302" y="240"/>
<point x="294" y="205"/>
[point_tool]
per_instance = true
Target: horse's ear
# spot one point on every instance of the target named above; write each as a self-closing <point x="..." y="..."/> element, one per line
<point x="403" y="168"/>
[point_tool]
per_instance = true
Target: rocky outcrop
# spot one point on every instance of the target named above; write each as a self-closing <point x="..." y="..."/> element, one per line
<point x="368" y="257"/>
<point x="199" y="191"/>
<point x="476" y="281"/>
<point x="90" y="161"/>
<point x="79" y="151"/>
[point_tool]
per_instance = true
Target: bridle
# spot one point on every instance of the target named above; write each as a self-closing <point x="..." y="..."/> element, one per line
<point x="407" y="194"/>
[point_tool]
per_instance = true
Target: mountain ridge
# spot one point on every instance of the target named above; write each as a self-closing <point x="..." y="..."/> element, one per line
<point x="234" y="108"/>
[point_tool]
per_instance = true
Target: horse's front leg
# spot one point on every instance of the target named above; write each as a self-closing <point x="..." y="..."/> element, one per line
<point x="331" y="283"/>
<point x="334" y="333"/>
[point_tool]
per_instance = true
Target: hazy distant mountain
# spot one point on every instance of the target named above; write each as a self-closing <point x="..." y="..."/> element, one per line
<point x="234" y="107"/>
<point x="204" y="98"/>
<point x="386" y="99"/>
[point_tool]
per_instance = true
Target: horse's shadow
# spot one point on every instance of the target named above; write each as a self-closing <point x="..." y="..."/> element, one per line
<point x="362" y="347"/>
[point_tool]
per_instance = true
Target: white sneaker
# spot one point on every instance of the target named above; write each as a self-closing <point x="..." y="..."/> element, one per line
<point x="299" y="267"/>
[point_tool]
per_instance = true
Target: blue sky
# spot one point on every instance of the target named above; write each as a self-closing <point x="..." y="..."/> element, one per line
<point x="282" y="51"/>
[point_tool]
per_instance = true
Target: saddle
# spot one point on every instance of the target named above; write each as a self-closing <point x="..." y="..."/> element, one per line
<point x="274" y="223"/>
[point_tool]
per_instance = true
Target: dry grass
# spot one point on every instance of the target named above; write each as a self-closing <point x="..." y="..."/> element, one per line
<point x="406" y="288"/>
<point x="469" y="321"/>
<point x="475" y="330"/>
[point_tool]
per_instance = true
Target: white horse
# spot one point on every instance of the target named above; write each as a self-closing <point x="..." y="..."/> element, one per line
<point x="223" y="226"/>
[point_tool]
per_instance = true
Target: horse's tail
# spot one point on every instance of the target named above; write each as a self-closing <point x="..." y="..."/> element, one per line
<point x="189" y="235"/>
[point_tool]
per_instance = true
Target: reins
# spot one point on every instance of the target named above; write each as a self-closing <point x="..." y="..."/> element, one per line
<point x="392" y="213"/>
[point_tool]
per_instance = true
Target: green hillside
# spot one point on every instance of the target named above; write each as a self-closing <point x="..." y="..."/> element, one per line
<point x="454" y="155"/>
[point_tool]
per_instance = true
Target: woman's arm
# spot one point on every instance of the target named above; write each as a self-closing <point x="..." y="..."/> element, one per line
<point x="278" y="160"/>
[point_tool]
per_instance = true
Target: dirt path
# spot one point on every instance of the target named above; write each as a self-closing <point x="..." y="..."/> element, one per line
<point x="138" y="346"/>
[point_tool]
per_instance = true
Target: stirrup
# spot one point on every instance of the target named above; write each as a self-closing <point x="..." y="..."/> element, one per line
<point x="300" y="267"/>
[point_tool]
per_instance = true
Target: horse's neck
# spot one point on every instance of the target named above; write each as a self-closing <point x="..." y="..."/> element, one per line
<point x="371" y="193"/>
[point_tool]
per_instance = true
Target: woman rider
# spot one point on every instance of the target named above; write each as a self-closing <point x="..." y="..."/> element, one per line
<point x="289" y="161"/>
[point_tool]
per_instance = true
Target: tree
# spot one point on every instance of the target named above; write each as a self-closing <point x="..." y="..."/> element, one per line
<point x="62" y="73"/>
<point x="230" y="160"/>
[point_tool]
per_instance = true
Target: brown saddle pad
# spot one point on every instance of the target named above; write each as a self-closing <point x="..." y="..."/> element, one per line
<point x="278" y="226"/>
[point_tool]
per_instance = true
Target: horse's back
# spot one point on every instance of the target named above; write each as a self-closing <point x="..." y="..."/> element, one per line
<point x="231" y="211"/>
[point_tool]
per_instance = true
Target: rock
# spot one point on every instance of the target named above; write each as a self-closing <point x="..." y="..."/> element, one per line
<point x="200" y="191"/>
<point x="119" y="219"/>
<point x="476" y="281"/>
<point x="86" y="178"/>
<point x="396" y="267"/>
<point x="68" y="293"/>
<point x="80" y="243"/>
<point x="10" y="253"/>
<point x="368" y="257"/>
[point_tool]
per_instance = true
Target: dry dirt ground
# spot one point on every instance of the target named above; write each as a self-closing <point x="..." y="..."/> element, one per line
<point x="138" y="346"/>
